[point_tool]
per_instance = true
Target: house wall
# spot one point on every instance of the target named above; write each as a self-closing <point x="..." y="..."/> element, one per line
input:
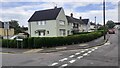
<point x="3" y="32"/>
<point x="49" y="26"/>
<point x="61" y="16"/>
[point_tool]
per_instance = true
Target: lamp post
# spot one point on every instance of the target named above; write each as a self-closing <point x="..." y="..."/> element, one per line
<point x="104" y="17"/>
<point x="95" y="24"/>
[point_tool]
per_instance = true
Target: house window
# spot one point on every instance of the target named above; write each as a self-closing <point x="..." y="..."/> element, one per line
<point x="41" y="23"/>
<point x="72" y="24"/>
<point x="61" y="22"/>
<point x="62" y="32"/>
<point x="68" y="32"/>
<point x="47" y="32"/>
<point x="41" y="33"/>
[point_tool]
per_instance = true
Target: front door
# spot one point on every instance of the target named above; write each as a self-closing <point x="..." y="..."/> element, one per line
<point x="41" y="34"/>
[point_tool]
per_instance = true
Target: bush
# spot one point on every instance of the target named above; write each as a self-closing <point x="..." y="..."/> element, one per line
<point x="11" y="43"/>
<point x="39" y="42"/>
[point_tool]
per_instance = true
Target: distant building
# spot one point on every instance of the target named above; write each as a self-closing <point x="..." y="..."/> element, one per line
<point x="3" y="32"/>
<point x="92" y="27"/>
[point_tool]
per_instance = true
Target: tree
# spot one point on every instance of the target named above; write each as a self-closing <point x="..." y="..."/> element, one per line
<point x="110" y="24"/>
<point x="14" y="24"/>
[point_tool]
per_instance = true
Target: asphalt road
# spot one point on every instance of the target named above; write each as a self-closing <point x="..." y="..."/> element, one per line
<point x="105" y="55"/>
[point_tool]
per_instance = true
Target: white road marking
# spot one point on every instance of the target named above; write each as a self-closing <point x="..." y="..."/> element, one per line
<point x="71" y="56"/>
<point x="96" y="48"/>
<point x="54" y="64"/>
<point x="72" y="61"/>
<point x="89" y="51"/>
<point x="86" y="49"/>
<point x="82" y="51"/>
<point x="77" y="53"/>
<point x="63" y="59"/>
<point x="80" y="57"/>
<point x="93" y="50"/>
<point x="108" y="43"/>
<point x="85" y="54"/>
<point x="64" y="65"/>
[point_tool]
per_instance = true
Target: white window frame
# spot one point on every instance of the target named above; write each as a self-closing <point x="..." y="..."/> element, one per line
<point x="61" y="22"/>
<point x="62" y="32"/>
<point x="41" y="22"/>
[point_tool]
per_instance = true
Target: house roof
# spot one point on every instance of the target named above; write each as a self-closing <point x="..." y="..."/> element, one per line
<point x="85" y="21"/>
<point x="50" y="14"/>
<point x="73" y="20"/>
<point x="1" y="24"/>
<point x="92" y="23"/>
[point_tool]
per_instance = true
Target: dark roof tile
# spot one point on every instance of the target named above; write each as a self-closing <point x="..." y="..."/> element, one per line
<point x="50" y="14"/>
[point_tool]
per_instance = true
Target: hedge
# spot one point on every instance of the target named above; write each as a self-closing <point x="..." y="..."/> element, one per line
<point x="39" y="42"/>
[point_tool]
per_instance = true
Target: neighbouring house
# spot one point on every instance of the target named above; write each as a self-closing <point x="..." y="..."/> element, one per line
<point x="98" y="26"/>
<point x="4" y="32"/>
<point x="92" y="27"/>
<point x="75" y="23"/>
<point x="54" y="23"/>
<point x="86" y="25"/>
<point x="117" y="25"/>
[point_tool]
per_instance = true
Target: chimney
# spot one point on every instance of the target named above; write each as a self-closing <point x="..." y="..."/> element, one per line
<point x="80" y="17"/>
<point x="55" y="7"/>
<point x="71" y="14"/>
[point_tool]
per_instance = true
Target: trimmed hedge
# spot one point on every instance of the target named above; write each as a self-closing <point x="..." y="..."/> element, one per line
<point x="39" y="42"/>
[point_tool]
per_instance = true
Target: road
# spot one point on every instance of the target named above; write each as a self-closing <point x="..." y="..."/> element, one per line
<point x="105" y="55"/>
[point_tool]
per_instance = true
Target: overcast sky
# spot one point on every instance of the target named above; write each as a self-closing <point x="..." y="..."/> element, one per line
<point x="22" y="10"/>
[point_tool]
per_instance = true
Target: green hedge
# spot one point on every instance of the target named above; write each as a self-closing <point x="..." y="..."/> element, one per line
<point x="39" y="42"/>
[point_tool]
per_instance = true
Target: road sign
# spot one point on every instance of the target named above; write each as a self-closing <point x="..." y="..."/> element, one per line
<point x="6" y="25"/>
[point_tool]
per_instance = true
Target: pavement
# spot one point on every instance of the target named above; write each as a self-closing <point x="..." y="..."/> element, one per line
<point x="97" y="42"/>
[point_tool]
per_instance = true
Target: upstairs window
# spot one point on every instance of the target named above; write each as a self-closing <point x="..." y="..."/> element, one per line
<point x="61" y="22"/>
<point x="41" y="23"/>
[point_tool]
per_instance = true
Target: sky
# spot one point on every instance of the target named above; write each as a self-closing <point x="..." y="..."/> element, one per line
<point x="22" y="10"/>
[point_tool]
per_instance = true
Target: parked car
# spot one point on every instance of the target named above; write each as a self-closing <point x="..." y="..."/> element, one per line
<point x="18" y="37"/>
<point x="111" y="31"/>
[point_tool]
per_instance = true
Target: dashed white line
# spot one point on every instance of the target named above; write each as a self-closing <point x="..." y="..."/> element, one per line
<point x="53" y="64"/>
<point x="63" y="59"/>
<point x="93" y="50"/>
<point x="96" y="48"/>
<point x="77" y="53"/>
<point x="80" y="57"/>
<point x="89" y="51"/>
<point x="71" y="56"/>
<point x="82" y="51"/>
<point x="85" y="54"/>
<point x="64" y="65"/>
<point x="86" y="49"/>
<point x="72" y="61"/>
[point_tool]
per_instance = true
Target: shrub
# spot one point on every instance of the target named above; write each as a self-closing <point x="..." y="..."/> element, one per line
<point x="38" y="42"/>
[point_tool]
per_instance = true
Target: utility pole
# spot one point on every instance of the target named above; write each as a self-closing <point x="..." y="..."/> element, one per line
<point x="104" y="17"/>
<point x="95" y="24"/>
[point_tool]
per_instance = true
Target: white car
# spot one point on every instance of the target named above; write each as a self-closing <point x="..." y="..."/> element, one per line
<point x="18" y="37"/>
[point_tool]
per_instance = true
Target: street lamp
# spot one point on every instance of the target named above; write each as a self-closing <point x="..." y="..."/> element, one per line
<point x="104" y="17"/>
<point x="95" y="24"/>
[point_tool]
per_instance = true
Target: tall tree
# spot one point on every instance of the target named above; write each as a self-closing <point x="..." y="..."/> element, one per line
<point x="110" y="24"/>
<point x="15" y="25"/>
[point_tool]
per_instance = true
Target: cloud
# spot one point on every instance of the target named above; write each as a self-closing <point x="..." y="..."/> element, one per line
<point x="23" y="12"/>
<point x="58" y="0"/>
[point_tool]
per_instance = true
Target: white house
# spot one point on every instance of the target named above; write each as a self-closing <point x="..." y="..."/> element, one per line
<point x="53" y="23"/>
